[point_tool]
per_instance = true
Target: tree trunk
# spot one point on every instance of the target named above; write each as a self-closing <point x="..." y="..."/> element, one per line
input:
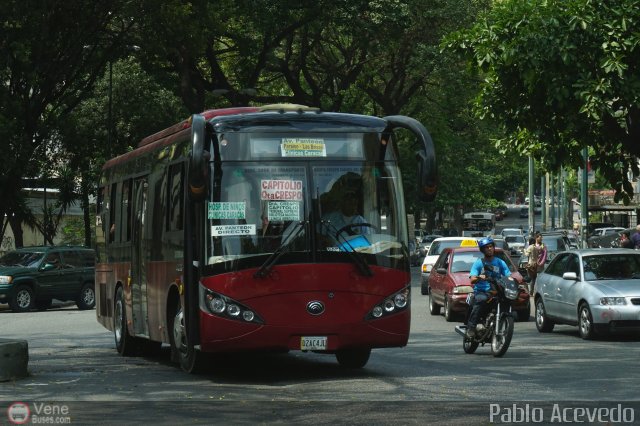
<point x="86" y="216"/>
<point x="16" y="227"/>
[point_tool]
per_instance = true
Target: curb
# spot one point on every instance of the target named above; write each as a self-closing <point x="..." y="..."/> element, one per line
<point x="14" y="357"/>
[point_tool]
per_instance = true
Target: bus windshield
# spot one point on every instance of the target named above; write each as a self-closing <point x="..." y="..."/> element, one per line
<point x="349" y="205"/>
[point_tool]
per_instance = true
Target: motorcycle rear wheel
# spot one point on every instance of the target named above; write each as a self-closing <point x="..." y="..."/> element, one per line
<point x="501" y="339"/>
<point x="469" y="345"/>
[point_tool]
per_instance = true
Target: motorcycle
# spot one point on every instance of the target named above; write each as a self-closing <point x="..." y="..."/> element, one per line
<point x="496" y="325"/>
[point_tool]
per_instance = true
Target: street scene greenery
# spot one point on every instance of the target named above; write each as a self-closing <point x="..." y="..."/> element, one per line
<point x="493" y="81"/>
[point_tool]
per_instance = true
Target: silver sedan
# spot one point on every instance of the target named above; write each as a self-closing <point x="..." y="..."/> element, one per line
<point x="596" y="289"/>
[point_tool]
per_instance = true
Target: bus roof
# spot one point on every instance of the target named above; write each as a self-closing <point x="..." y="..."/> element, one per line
<point x="255" y="116"/>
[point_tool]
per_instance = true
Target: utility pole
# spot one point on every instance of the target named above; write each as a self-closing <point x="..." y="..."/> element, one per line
<point x="544" y="197"/>
<point x="552" y="192"/>
<point x="584" y="222"/>
<point x="532" y="199"/>
<point x="561" y="201"/>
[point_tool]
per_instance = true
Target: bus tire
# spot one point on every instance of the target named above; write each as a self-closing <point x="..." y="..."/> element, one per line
<point x="354" y="357"/>
<point x="125" y="343"/>
<point x="191" y="360"/>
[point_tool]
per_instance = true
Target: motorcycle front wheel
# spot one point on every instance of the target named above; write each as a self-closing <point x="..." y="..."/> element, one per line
<point x="469" y="345"/>
<point x="501" y="338"/>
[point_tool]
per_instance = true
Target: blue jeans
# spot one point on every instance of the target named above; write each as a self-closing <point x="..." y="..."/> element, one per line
<point x="480" y="306"/>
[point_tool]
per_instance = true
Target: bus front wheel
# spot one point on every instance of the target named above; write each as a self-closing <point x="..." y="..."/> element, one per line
<point x="354" y="357"/>
<point x="125" y="343"/>
<point x="190" y="359"/>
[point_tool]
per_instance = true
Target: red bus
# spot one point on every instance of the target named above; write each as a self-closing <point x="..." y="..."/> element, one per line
<point x="259" y="228"/>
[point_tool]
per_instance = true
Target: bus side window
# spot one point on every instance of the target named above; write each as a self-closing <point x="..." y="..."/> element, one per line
<point x="111" y="206"/>
<point x="175" y="197"/>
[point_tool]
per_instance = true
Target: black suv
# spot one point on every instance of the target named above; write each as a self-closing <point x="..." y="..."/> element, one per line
<point x="31" y="277"/>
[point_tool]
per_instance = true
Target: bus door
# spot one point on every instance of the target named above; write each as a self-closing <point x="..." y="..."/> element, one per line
<point x="140" y="250"/>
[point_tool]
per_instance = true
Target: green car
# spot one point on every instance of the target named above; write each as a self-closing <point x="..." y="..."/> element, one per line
<point x="31" y="277"/>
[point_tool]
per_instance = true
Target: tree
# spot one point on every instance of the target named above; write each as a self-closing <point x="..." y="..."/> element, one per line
<point x="52" y="53"/>
<point x="561" y="76"/>
<point x="140" y="107"/>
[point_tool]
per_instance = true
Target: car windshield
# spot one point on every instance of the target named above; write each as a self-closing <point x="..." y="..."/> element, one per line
<point x="511" y="239"/>
<point x="552" y="243"/>
<point x="29" y="259"/>
<point x="437" y="246"/>
<point x="612" y="267"/>
<point x="463" y="261"/>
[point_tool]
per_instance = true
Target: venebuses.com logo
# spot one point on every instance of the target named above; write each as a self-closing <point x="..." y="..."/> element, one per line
<point x="18" y="413"/>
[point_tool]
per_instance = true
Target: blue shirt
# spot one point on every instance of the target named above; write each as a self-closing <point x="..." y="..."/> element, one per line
<point x="500" y="269"/>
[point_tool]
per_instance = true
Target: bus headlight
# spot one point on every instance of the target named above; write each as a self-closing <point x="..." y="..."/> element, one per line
<point x="225" y="307"/>
<point x="400" y="300"/>
<point x="233" y="310"/>
<point x="216" y="304"/>
<point x="397" y="302"/>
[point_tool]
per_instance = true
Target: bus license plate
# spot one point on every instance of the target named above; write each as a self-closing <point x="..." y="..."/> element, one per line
<point x="313" y="343"/>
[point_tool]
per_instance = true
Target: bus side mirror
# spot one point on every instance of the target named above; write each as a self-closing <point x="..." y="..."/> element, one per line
<point x="427" y="171"/>
<point x="197" y="166"/>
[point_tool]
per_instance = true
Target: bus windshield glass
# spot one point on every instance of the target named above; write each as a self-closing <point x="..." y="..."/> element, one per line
<point x="321" y="196"/>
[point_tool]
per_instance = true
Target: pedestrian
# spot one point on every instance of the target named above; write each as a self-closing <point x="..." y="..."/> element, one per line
<point x="537" y="254"/>
<point x="625" y="241"/>
<point x="635" y="238"/>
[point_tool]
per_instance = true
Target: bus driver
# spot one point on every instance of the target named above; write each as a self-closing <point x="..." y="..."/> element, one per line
<point x="346" y="194"/>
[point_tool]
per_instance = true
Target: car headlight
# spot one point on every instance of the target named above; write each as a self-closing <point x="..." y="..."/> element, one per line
<point x="429" y="267"/>
<point x="613" y="301"/>
<point x="462" y="289"/>
<point x="424" y="268"/>
<point x="5" y="279"/>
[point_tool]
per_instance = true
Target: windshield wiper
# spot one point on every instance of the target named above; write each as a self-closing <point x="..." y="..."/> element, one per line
<point x="265" y="269"/>
<point x="361" y="263"/>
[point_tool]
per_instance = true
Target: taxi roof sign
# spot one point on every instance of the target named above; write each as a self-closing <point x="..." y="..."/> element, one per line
<point x="469" y="243"/>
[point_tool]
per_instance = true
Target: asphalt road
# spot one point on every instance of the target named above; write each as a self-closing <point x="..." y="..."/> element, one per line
<point x="73" y="361"/>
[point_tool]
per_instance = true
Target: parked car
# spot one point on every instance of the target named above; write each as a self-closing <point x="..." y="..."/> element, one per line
<point x="511" y="231"/>
<point x="435" y="249"/>
<point x="595" y="289"/>
<point x="32" y="277"/>
<point x="516" y="243"/>
<point x="602" y="237"/>
<point x="449" y="282"/>
<point x="592" y="226"/>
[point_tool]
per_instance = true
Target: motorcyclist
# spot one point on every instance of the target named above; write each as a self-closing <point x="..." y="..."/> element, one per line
<point x="481" y="287"/>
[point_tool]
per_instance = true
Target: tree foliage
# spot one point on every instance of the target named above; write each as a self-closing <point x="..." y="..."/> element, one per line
<point x="171" y="58"/>
<point x="52" y="53"/>
<point x="561" y="76"/>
